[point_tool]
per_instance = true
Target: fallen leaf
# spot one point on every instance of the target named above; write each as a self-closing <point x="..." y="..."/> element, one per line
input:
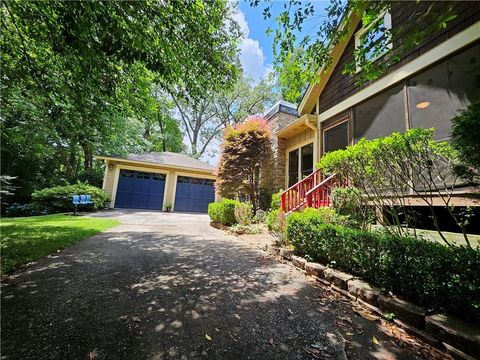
<point x="365" y="314"/>
<point x="217" y="330"/>
<point x="208" y="337"/>
<point x="375" y="341"/>
<point x="237" y="316"/>
<point x="350" y="334"/>
<point x="290" y="311"/>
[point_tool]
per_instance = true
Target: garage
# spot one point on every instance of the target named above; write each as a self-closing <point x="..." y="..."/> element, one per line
<point x="159" y="181"/>
<point x="140" y="190"/>
<point x="194" y="194"/>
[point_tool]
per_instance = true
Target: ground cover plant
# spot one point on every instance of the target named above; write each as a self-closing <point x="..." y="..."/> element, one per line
<point x="28" y="239"/>
<point x="435" y="276"/>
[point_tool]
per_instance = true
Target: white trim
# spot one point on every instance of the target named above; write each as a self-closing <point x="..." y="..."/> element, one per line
<point x="387" y="23"/>
<point x="299" y="148"/>
<point x="344" y="120"/>
<point x="455" y="43"/>
<point x="336" y="52"/>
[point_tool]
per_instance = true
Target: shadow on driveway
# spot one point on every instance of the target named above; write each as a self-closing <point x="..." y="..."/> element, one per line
<point x="171" y="291"/>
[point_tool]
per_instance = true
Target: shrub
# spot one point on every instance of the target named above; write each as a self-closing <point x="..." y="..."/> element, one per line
<point x="386" y="169"/>
<point x="428" y="273"/>
<point x="275" y="221"/>
<point x="17" y="210"/>
<point x="348" y="203"/>
<point x="59" y="198"/>
<point x="214" y="210"/>
<point x="251" y="229"/>
<point x="465" y="135"/>
<point x="276" y="200"/>
<point x="223" y="211"/>
<point x="243" y="213"/>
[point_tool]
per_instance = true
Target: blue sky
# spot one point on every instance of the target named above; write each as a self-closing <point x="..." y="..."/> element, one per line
<point x="256" y="53"/>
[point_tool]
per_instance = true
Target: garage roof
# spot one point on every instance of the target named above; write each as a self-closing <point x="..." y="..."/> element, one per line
<point x="169" y="159"/>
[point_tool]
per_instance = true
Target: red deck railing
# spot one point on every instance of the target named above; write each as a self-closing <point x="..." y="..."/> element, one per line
<point x="313" y="191"/>
<point x="294" y="197"/>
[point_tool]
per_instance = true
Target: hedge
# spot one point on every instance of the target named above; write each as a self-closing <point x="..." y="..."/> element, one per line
<point x="428" y="273"/>
<point x="223" y="211"/>
<point x="59" y="198"/>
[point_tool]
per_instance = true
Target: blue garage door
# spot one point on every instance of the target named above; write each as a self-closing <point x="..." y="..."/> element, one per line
<point x="193" y="194"/>
<point x="140" y="190"/>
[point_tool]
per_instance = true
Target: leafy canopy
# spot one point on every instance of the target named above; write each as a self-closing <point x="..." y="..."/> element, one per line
<point x="77" y="79"/>
<point x="299" y="54"/>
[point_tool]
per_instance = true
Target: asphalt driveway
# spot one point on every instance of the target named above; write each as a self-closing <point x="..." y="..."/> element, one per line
<point x="169" y="286"/>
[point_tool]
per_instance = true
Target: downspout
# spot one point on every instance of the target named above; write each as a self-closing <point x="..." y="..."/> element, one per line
<point x="315" y="140"/>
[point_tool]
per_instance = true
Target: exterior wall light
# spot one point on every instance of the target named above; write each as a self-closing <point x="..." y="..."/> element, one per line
<point x="423" y="105"/>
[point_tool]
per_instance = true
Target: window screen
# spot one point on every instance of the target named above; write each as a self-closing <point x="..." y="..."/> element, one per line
<point x="437" y="94"/>
<point x="292" y="167"/>
<point x="381" y="115"/>
<point x="336" y="137"/>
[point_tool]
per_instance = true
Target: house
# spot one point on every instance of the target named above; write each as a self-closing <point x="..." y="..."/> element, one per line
<point x="159" y="180"/>
<point x="425" y="88"/>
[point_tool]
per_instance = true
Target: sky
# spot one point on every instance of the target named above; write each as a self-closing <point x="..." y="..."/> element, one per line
<point x="256" y="54"/>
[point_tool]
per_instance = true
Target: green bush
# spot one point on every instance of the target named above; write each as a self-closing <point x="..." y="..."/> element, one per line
<point x="214" y="211"/>
<point x="465" y="135"/>
<point x="276" y="200"/>
<point x="223" y="211"/>
<point x="428" y="273"/>
<point x="243" y="213"/>
<point x="59" y="198"/>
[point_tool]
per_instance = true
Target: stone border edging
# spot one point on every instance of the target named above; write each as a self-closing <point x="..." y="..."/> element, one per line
<point x="442" y="331"/>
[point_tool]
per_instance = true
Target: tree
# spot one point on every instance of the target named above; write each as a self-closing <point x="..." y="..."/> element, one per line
<point x="204" y="118"/>
<point x="77" y="77"/>
<point x="246" y="153"/>
<point x="465" y="139"/>
<point x="299" y="55"/>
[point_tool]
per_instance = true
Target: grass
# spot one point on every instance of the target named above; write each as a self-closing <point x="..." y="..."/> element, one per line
<point x="28" y="239"/>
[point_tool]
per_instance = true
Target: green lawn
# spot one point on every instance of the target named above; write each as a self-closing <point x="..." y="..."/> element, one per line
<point x="28" y="239"/>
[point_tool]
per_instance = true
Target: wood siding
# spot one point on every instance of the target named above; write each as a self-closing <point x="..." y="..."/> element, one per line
<point x="300" y="138"/>
<point x="340" y="86"/>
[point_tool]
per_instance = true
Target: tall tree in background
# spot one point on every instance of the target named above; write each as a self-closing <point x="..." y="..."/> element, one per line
<point x="246" y="154"/>
<point x="204" y="118"/>
<point x="299" y="55"/>
<point x="76" y="77"/>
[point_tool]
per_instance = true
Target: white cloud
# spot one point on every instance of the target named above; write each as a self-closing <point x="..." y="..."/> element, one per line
<point x="252" y="57"/>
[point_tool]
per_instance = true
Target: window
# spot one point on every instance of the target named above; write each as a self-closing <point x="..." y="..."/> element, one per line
<point x="158" y="177"/>
<point x="307" y="160"/>
<point x="437" y="94"/>
<point x="126" y="173"/>
<point x="375" y="38"/>
<point x="336" y="137"/>
<point x="292" y="167"/>
<point x="381" y="115"/>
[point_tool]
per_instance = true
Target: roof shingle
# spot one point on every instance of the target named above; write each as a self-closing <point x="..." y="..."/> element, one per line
<point x="168" y="159"/>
